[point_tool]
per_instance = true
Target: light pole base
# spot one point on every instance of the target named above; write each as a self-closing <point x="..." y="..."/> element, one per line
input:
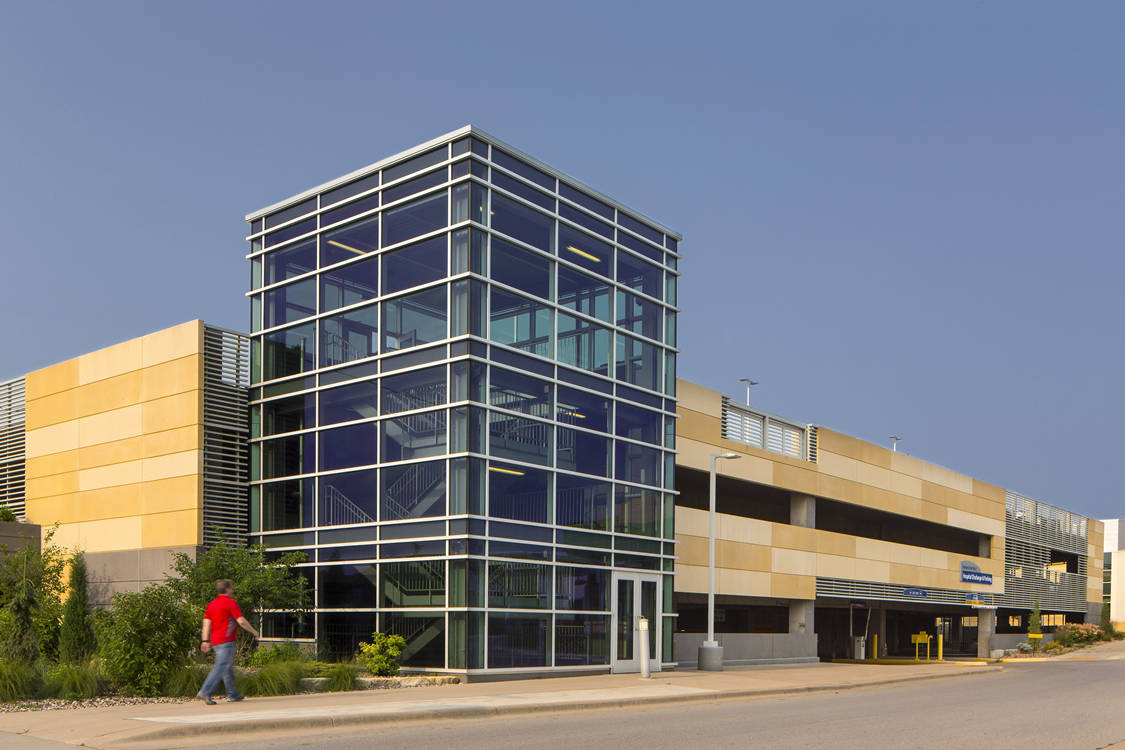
<point x="711" y="657"/>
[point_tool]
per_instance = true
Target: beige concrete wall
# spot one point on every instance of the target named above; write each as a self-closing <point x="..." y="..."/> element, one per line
<point x="114" y="444"/>
<point x="760" y="558"/>
<point x="1117" y="589"/>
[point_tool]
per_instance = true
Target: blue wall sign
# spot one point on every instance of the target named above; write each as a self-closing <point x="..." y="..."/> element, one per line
<point x="915" y="593"/>
<point x="971" y="573"/>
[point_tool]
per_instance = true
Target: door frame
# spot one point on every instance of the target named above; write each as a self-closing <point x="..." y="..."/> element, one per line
<point x="618" y="666"/>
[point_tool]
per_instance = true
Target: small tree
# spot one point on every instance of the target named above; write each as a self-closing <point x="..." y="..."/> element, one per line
<point x="1108" y="630"/>
<point x="76" y="638"/>
<point x="149" y="637"/>
<point x="31" y="593"/>
<point x="1034" y="625"/>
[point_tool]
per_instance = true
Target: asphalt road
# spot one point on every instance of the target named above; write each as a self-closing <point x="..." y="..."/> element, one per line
<point x="1060" y="705"/>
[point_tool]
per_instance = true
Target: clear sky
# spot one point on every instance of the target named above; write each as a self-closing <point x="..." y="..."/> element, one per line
<point x="901" y="218"/>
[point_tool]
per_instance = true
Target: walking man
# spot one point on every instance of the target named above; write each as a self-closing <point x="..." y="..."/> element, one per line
<point x="219" y="621"/>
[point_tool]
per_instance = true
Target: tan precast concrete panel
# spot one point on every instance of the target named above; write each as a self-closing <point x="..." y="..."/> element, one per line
<point x="854" y="448"/>
<point x="741" y="582"/>
<point x="170" y="378"/>
<point x="740" y="529"/>
<point x="697" y="455"/>
<point x="54" y="463"/>
<point x="109" y="394"/>
<point x="697" y="398"/>
<point x="172" y="441"/>
<point x="794" y="537"/>
<point x="739" y="556"/>
<point x="692" y="550"/>
<point x="108" y="502"/>
<point x="46" y="510"/>
<point x="792" y="586"/>
<point x="795" y="479"/>
<point x="990" y="492"/>
<point x="947" y="477"/>
<point x="106" y="363"/>
<point x="101" y="536"/>
<point x="115" y="452"/>
<point x="831" y="543"/>
<point x="172" y="343"/>
<point x="58" y="484"/>
<point x="974" y="522"/>
<point x="171" y="529"/>
<point x="692" y="424"/>
<point x="172" y="411"/>
<point x="113" y="475"/>
<point x="51" y="409"/>
<point x="171" y="465"/>
<point x="109" y="426"/>
<point x="835" y="566"/>
<point x="54" y="439"/>
<point x="692" y="522"/>
<point x="833" y="464"/>
<point x="691" y="578"/>
<point x="791" y="561"/>
<point x="172" y="494"/>
<point x="872" y="570"/>
<point x="53" y="379"/>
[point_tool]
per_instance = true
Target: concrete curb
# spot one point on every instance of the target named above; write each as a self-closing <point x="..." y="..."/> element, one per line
<point x="244" y="726"/>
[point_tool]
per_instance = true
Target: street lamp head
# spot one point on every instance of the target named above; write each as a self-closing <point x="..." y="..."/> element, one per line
<point x="729" y="455"/>
<point x="748" y="381"/>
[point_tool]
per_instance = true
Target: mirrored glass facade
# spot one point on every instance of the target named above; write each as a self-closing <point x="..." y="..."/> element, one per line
<point x="462" y="407"/>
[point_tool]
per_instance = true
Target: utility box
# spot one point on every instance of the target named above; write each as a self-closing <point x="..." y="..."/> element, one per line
<point x="859" y="647"/>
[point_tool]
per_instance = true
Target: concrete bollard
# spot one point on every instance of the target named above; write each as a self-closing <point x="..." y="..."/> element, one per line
<point x="642" y="627"/>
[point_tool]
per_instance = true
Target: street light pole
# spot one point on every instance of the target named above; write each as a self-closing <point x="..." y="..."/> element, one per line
<point x="749" y="384"/>
<point x="711" y="653"/>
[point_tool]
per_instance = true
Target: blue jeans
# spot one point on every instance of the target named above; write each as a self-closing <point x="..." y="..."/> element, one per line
<point x="223" y="670"/>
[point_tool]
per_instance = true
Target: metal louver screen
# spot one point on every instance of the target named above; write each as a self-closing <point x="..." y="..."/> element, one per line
<point x="13" y="459"/>
<point x="226" y="379"/>
<point x="750" y="427"/>
<point x="845" y="589"/>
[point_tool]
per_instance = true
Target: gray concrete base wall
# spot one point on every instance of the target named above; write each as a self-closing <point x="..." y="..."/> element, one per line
<point x="128" y="570"/>
<point x="1012" y="640"/>
<point x="15" y="535"/>
<point x="748" y="648"/>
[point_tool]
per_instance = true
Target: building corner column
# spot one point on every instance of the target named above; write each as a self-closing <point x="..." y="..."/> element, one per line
<point x="986" y="628"/>
<point x="802" y="510"/>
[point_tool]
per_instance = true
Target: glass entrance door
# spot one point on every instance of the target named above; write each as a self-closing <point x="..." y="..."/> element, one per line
<point x="635" y="595"/>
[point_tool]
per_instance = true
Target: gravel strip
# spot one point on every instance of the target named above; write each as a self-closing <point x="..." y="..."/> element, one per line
<point x="56" y="704"/>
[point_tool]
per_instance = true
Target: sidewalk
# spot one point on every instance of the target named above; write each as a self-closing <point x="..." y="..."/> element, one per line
<point x="161" y="725"/>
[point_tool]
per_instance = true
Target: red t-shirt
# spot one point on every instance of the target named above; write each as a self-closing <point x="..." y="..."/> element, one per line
<point x="222" y="612"/>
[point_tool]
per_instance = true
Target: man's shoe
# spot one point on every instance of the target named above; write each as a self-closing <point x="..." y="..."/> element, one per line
<point x="206" y="699"/>
<point x="236" y="700"/>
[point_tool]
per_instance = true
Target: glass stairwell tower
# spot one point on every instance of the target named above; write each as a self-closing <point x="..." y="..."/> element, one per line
<point x="464" y="368"/>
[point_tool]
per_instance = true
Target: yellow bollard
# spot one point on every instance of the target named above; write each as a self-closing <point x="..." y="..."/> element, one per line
<point x="875" y="645"/>
<point x="929" y="638"/>
<point x="940" y="649"/>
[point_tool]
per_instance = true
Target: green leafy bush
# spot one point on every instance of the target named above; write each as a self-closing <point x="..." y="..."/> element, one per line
<point x="1072" y="634"/>
<point x="149" y="638"/>
<point x="1053" y="646"/>
<point x="7" y="515"/>
<point x="18" y="680"/>
<point x="380" y="657"/>
<point x="341" y="676"/>
<point x="75" y="682"/>
<point x="187" y="681"/>
<point x="76" y="637"/>
<point x="287" y="651"/>
<point x="279" y="678"/>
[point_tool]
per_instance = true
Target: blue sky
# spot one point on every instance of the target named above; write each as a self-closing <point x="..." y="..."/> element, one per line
<point x="901" y="218"/>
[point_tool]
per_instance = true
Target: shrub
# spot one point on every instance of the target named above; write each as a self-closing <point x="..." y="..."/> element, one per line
<point x="279" y="678"/>
<point x="380" y="657"/>
<point x="1108" y="631"/>
<point x="149" y="638"/>
<point x="1071" y="634"/>
<point x="76" y="638"/>
<point x="287" y="651"/>
<point x="75" y="682"/>
<point x="341" y="676"/>
<point x="7" y="515"/>
<point x="1053" y="646"/>
<point x="18" y="680"/>
<point x="186" y="682"/>
<point x="1024" y="648"/>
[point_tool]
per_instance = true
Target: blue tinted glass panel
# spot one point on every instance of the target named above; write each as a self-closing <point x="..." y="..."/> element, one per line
<point x="636" y="463"/>
<point x="639" y="424"/>
<point x="415" y="218"/>
<point x="349" y="242"/>
<point x="351" y="552"/>
<point x="639" y="275"/>
<point x="520" y="393"/>
<point x="347" y="191"/>
<point x="520" y="439"/>
<point x="583" y="344"/>
<point x="349" y="284"/>
<point x="289" y="303"/>
<point x="287" y="505"/>
<point x="637" y="362"/>
<point x="521" y="269"/>
<point x="290" y="262"/>
<point x="519" y="585"/>
<point x="526" y="171"/>
<point x="585" y="220"/>
<point x="288" y="352"/>
<point x="585" y="201"/>
<point x="422" y="548"/>
<point x="521" y="531"/>
<point x="518" y="640"/>
<point x="582" y="249"/>
<point x="639" y="315"/>
<point x="518" y="493"/>
<point x="640" y="246"/>
<point x="288" y="414"/>
<point x="415" y="436"/>
<point x="583" y="409"/>
<point x="348" y="586"/>
<point x="286" y="456"/>
<point x="581" y="640"/>
<point x="641" y="397"/>
<point x="414" y="584"/>
<point x="638" y="228"/>
<point x="295" y="230"/>
<point x="349" y="336"/>
<point x="584" y="294"/>
<point x="417" y="164"/>
<point x="423" y="648"/>
<point x="415" y="265"/>
<point x="586" y="381"/>
<point x="284" y="215"/>
<point x="520" y="322"/>
<point x="349" y="373"/>
<point x="414" y="320"/>
<point x="345" y="447"/>
<point x="414" y="491"/>
<point x="582" y="502"/>
<point x="582" y="452"/>
<point x="348" y="498"/>
<point x="524" y="191"/>
<point x="523" y="223"/>
<point x="355" y="208"/>
<point x="356" y="401"/>
<point x="519" y="361"/>
<point x="410" y="187"/>
<point x="582" y="588"/>
<point x="637" y="511"/>
<point x="414" y="390"/>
